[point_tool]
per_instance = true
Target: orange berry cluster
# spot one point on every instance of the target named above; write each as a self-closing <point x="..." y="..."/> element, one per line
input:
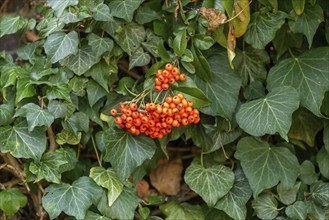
<point x="167" y="77"/>
<point x="156" y="120"/>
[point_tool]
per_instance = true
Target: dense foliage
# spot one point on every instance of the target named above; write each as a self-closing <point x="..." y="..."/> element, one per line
<point x="257" y="71"/>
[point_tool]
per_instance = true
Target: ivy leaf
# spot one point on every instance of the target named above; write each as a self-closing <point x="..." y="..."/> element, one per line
<point x="24" y="88"/>
<point x="21" y="143"/>
<point x="234" y="202"/>
<point x="35" y="116"/>
<point x="99" y="44"/>
<point x="73" y="17"/>
<point x="94" y="216"/>
<point x="265" y="165"/>
<point x="288" y="195"/>
<point x="59" y="45"/>
<point x="314" y="211"/>
<point x="152" y="42"/>
<point x="12" y="24"/>
<point x="82" y="61"/>
<point x="108" y="179"/>
<point x="298" y="210"/>
<point x="130" y="37"/>
<point x="60" y="109"/>
<point x="95" y="92"/>
<point x="319" y="193"/>
<point x="262" y="28"/>
<point x="145" y="15"/>
<point x="250" y="64"/>
<point x="67" y="137"/>
<point x="58" y="91"/>
<point x="308" y="22"/>
<point x="11" y="200"/>
<point x="184" y="211"/>
<point x="126" y="151"/>
<point x="305" y="126"/>
<point x="211" y="183"/>
<point x="127" y="201"/>
<point x="139" y="58"/>
<point x="275" y="109"/>
<point x="59" y="6"/>
<point x="223" y="89"/>
<point x="101" y="12"/>
<point x="308" y="74"/>
<point x="48" y="167"/>
<point x="265" y="206"/>
<point x="326" y="135"/>
<point x="79" y="121"/>
<point x="101" y="73"/>
<point x="124" y="8"/>
<point x="307" y="172"/>
<point x="6" y="114"/>
<point x="180" y="43"/>
<point x="73" y="200"/>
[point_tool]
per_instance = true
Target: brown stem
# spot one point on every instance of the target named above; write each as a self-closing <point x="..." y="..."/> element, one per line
<point x="11" y="183"/>
<point x="123" y="66"/>
<point x="13" y="164"/>
<point x="52" y="139"/>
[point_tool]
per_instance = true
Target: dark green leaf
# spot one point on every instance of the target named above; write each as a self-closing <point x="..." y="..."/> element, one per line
<point x="59" y="6"/>
<point x="6" y="114"/>
<point x="308" y="22"/>
<point x="11" y="24"/>
<point x="21" y="143"/>
<point x="79" y="121"/>
<point x="95" y="92"/>
<point x="124" y="84"/>
<point x="322" y="158"/>
<point x="307" y="172"/>
<point x="60" y="109"/>
<point x="307" y="73"/>
<point x="11" y="200"/>
<point x="69" y="16"/>
<point x="145" y="15"/>
<point x="288" y="195"/>
<point x="151" y="44"/>
<point x="94" y="216"/>
<point x="82" y="61"/>
<point x="27" y="52"/>
<point x="262" y="28"/>
<point x="124" y="8"/>
<point x="139" y="58"/>
<point x="326" y="135"/>
<point x="24" y="89"/>
<point x="234" y="202"/>
<point x="211" y="183"/>
<point x="59" y="45"/>
<point x="126" y="151"/>
<point x="254" y="90"/>
<point x="203" y="42"/>
<point x="74" y="200"/>
<point x="265" y="165"/>
<point x="35" y="116"/>
<point x="182" y="211"/>
<point x="314" y="211"/>
<point x="275" y="109"/>
<point x="265" y="206"/>
<point x="180" y="43"/>
<point x="58" y="91"/>
<point x="101" y="13"/>
<point x="99" y="44"/>
<point x="250" y="64"/>
<point x="298" y="210"/>
<point x="202" y="67"/>
<point x="319" y="193"/>
<point x="222" y="90"/>
<point x="101" y="72"/>
<point x="108" y="179"/>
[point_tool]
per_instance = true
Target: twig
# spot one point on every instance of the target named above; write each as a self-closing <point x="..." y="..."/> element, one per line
<point x="52" y="139"/>
<point x="123" y="66"/>
<point x="95" y="148"/>
<point x="189" y="196"/>
<point x="11" y="183"/>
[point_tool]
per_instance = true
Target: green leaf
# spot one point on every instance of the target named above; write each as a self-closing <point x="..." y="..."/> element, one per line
<point x="60" y="109"/>
<point x="124" y="8"/>
<point x="95" y="92"/>
<point x="275" y="109"/>
<point x="319" y="193"/>
<point x="307" y="23"/>
<point x="203" y="42"/>
<point x="265" y="165"/>
<point x="211" y="183"/>
<point x="48" y="167"/>
<point x="326" y="135"/>
<point x="151" y="44"/>
<point x="265" y="206"/>
<point x="305" y="126"/>
<point x="127" y="201"/>
<point x="24" y="88"/>
<point x="145" y="15"/>
<point x="163" y="53"/>
<point x="99" y="44"/>
<point x="254" y="90"/>
<point x="11" y="24"/>
<point x="126" y="151"/>
<point x="28" y="51"/>
<point x="314" y="211"/>
<point x="108" y="179"/>
<point x="68" y="155"/>
<point x="130" y="37"/>
<point x="222" y="90"/>
<point x="6" y="114"/>
<point x="11" y="200"/>
<point x="58" y="91"/>
<point x="180" y="43"/>
<point x="251" y="64"/>
<point x="21" y="143"/>
<point x="308" y="74"/>
<point x="183" y="211"/>
<point x="298" y="210"/>
<point x="59" y="6"/>
<point x="262" y="28"/>
<point x="67" y="137"/>
<point x="307" y="172"/>
<point x="35" y="116"/>
<point x="322" y="158"/>
<point x="287" y="195"/>
<point x="73" y="200"/>
<point x="70" y="16"/>
<point x="79" y="121"/>
<point x="82" y="61"/>
<point x="101" y="13"/>
<point x="94" y="216"/>
<point x="101" y="72"/>
<point x="59" y="45"/>
<point x="139" y="58"/>
<point x="234" y="202"/>
<point x="202" y="67"/>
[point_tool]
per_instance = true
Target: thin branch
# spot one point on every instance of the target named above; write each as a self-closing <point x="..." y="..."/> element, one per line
<point x="123" y="66"/>
<point x="52" y="139"/>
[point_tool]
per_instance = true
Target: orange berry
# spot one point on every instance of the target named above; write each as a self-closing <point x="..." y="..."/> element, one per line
<point x="157" y="82"/>
<point x="176" y="100"/>
<point x="168" y="99"/>
<point x="182" y="77"/>
<point x="190" y="119"/>
<point x="128" y="112"/>
<point x="185" y="121"/>
<point x="168" y="67"/>
<point x="184" y="103"/>
<point x="169" y="120"/>
<point x="145" y="119"/>
<point x="161" y="78"/>
<point x="180" y="95"/>
<point x="113" y="112"/>
<point x="171" y="81"/>
<point x="158" y="88"/>
<point x="177" y="77"/>
<point x="165" y="86"/>
<point x="118" y="120"/>
<point x="175" y="123"/>
<point x="165" y="73"/>
<point x="129" y="119"/>
<point x="135" y="115"/>
<point x="129" y="125"/>
<point x="158" y="73"/>
<point x="188" y="109"/>
<point x="190" y="103"/>
<point x="175" y="71"/>
<point x="123" y="117"/>
<point x="133" y="106"/>
<point x="137" y="122"/>
<point x="152" y="106"/>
